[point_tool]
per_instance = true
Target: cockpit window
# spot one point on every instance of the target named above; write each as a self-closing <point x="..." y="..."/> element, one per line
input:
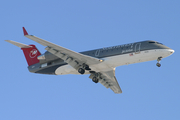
<point x="151" y="42"/>
<point x="156" y="42"/>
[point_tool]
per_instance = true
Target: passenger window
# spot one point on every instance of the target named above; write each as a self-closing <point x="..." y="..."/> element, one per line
<point x="44" y="65"/>
<point x="50" y="63"/>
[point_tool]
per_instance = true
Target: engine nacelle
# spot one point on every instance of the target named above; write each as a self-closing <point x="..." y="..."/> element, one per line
<point x="41" y="57"/>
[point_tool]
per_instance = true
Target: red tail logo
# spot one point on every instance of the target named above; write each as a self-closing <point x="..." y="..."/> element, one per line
<point x="31" y="54"/>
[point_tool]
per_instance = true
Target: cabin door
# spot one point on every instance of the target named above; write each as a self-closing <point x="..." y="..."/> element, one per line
<point x="97" y="53"/>
<point x="137" y="48"/>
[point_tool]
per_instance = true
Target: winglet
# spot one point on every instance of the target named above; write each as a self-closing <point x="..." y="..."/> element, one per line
<point x="24" y="31"/>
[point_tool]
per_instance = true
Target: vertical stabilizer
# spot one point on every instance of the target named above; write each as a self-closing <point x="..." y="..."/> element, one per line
<point x="31" y="54"/>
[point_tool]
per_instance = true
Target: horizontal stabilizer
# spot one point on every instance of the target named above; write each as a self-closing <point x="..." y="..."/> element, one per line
<point x="18" y="44"/>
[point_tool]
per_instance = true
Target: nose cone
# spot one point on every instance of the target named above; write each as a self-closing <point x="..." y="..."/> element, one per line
<point x="171" y="51"/>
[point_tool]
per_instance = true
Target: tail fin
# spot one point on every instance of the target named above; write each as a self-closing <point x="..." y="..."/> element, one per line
<point x="30" y="52"/>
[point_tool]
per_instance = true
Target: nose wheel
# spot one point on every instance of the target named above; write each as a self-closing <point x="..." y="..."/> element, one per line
<point x="158" y="61"/>
<point x="158" y="64"/>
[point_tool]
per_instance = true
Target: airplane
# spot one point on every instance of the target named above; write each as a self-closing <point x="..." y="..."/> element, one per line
<point x="100" y="64"/>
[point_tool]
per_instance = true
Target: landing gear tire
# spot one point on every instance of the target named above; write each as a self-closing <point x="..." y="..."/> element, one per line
<point x="96" y="75"/>
<point x="158" y="64"/>
<point x="95" y="79"/>
<point x="81" y="70"/>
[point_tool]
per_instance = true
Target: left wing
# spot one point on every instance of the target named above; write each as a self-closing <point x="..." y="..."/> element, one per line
<point x="111" y="80"/>
<point x="108" y="79"/>
<point x="69" y="56"/>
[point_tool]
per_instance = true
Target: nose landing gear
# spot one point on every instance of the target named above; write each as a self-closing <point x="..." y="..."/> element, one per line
<point x="158" y="64"/>
<point x="158" y="61"/>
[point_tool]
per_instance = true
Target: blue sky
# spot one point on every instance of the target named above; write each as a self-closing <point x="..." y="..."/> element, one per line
<point x="149" y="92"/>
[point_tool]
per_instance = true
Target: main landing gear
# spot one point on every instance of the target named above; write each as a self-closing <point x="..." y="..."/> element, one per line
<point x="82" y="69"/>
<point x="96" y="77"/>
<point x="158" y="63"/>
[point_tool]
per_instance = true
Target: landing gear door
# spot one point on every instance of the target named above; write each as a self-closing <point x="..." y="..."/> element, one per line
<point x="137" y="48"/>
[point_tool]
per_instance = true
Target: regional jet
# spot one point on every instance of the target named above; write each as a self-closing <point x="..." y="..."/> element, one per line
<point x="100" y="63"/>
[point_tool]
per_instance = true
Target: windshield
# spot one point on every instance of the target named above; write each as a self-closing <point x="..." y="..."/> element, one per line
<point x="156" y="42"/>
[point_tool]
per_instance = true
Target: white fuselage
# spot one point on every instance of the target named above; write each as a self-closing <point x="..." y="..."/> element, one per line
<point x="119" y="60"/>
